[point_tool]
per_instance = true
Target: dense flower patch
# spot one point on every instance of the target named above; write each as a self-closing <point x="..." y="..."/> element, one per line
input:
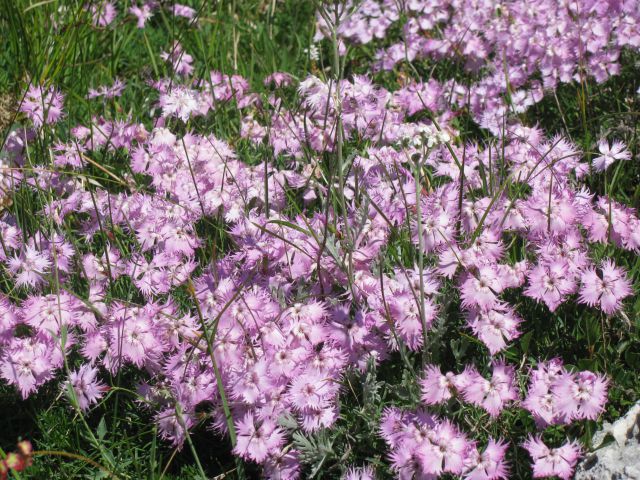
<point x="261" y="335"/>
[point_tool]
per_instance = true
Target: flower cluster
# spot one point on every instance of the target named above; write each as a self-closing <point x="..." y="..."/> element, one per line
<point x="425" y="446"/>
<point x="549" y="462"/>
<point x="297" y="294"/>
<point x="556" y="396"/>
<point x="519" y="48"/>
<point x="491" y="395"/>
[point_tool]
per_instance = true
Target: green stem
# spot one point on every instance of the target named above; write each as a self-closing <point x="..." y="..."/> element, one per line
<point x="423" y="320"/>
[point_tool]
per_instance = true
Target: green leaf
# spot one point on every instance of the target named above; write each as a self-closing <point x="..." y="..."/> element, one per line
<point x="525" y="342"/>
<point x="284" y="223"/>
<point x="102" y="429"/>
<point x="632" y="358"/>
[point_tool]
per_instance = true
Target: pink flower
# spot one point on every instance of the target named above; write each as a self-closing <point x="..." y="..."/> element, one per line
<point x="295" y="301"/>
<point x="609" y="154"/>
<point x="142" y="13"/>
<point x="495" y="327"/>
<point x="115" y="90"/>
<point x="556" y="396"/>
<point x="50" y="313"/>
<point x="185" y="11"/>
<point x="279" y="79"/>
<point x="173" y="426"/>
<point x="393" y="426"/>
<point x="481" y="289"/>
<point x="103" y="13"/>
<point x="445" y="451"/>
<point x="253" y="383"/>
<point x="363" y="473"/>
<point x="550" y="283"/>
<point x="181" y="61"/>
<point x="43" y="106"/>
<point x="282" y="465"/>
<point x="405" y="310"/>
<point x="26" y="363"/>
<point x="606" y="290"/>
<point x="436" y="387"/>
<point x="88" y="389"/>
<point x="548" y="462"/>
<point x="8" y="319"/>
<point x="581" y="395"/>
<point x="550" y="210"/>
<point x="69" y="154"/>
<point x="314" y="419"/>
<point x="490" y="464"/>
<point x="405" y="463"/>
<point x="256" y="441"/>
<point x="132" y="338"/>
<point x="30" y="267"/>
<point x="540" y="400"/>
<point x="492" y="394"/>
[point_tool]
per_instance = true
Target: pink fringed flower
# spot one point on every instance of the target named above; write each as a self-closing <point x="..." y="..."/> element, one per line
<point x="174" y="427"/>
<point x="362" y="473"/>
<point x="490" y="464"/>
<point x="143" y="13"/>
<point x="278" y="79"/>
<point x="393" y="426"/>
<point x="103" y="13"/>
<point x="492" y="394"/>
<point x="548" y="462"/>
<point x="551" y="283"/>
<point x="257" y="440"/>
<point x="43" y="105"/>
<point x="556" y="396"/>
<point x="495" y="327"/>
<point x="8" y="320"/>
<point x="310" y="391"/>
<point x="133" y="339"/>
<point x="540" y="400"/>
<point x="283" y="465"/>
<point x="447" y="450"/>
<point x="180" y="61"/>
<point x="87" y="388"/>
<point x="27" y="364"/>
<point x="581" y="395"/>
<point x="180" y="10"/>
<point x="481" y="289"/>
<point x="607" y="289"/>
<point x="180" y="102"/>
<point x="425" y="446"/>
<point x="30" y="267"/>
<point x="436" y="387"/>
<point x="115" y="90"/>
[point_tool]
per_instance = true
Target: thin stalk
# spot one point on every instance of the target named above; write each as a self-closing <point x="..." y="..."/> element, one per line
<point x="339" y="146"/>
<point x="220" y="385"/>
<point x="423" y="320"/>
<point x="189" y="441"/>
<point x="75" y="456"/>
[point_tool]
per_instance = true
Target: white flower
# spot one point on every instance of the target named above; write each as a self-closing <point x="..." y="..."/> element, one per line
<point x="313" y="52"/>
<point x="609" y="154"/>
<point x="428" y="135"/>
<point x="180" y="102"/>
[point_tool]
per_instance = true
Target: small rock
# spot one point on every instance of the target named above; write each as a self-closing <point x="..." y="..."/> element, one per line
<point x="618" y="460"/>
